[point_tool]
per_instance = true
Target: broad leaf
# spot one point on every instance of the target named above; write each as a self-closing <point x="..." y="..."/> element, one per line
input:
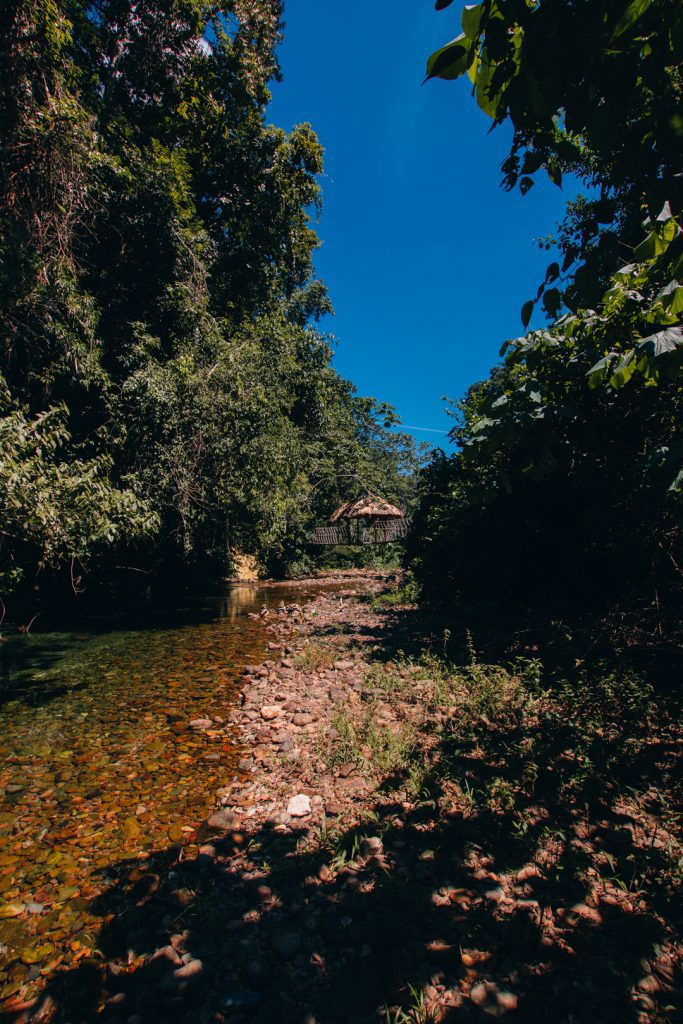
<point x="659" y="239"/>
<point x="634" y="10"/>
<point x="554" y="173"/>
<point x="451" y="61"/>
<point x="527" y="310"/>
<point x="552" y="301"/>
<point x="487" y="100"/>
<point x="597" y="373"/>
<point x="471" y="19"/>
<point x="661" y="344"/>
<point x="624" y="370"/>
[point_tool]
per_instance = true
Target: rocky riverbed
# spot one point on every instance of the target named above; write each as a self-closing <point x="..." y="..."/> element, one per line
<point x="289" y="705"/>
<point x="337" y="880"/>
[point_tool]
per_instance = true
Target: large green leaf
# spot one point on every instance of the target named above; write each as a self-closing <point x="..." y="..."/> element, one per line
<point x="451" y="61"/>
<point x="624" y="370"/>
<point x="634" y="10"/>
<point x="660" y="238"/>
<point x="471" y="19"/>
<point x="599" y="372"/>
<point x="662" y="343"/>
<point x="672" y="297"/>
<point x="487" y="100"/>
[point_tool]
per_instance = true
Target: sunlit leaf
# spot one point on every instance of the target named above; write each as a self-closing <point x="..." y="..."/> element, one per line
<point x="624" y="370"/>
<point x="599" y="372"/>
<point x="663" y="343"/>
<point x="451" y="61"/>
<point x="471" y="19"/>
<point x="487" y="101"/>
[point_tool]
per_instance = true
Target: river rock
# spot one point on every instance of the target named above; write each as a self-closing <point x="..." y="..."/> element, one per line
<point x="222" y="819"/>
<point x="299" y="806"/>
<point x="270" y="711"/>
<point x="280" y="818"/>
<point x="201" y="724"/>
<point x="190" y="970"/>
<point x="354" y="785"/>
<point x="478" y="993"/>
<point x="302" y="718"/>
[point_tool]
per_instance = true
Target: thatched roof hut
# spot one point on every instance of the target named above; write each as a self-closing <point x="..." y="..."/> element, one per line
<point x="369" y="506"/>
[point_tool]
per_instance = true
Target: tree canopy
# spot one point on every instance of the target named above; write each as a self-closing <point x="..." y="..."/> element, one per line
<point x="159" y="308"/>
<point x="566" y="486"/>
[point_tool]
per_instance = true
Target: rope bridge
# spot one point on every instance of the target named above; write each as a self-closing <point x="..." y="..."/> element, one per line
<point x="378" y="533"/>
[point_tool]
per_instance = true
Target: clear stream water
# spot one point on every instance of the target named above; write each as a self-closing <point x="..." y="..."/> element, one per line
<point x="98" y="762"/>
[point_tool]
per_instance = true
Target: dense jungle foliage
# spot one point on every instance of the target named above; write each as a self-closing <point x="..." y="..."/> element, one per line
<point x="165" y="394"/>
<point x="564" y="497"/>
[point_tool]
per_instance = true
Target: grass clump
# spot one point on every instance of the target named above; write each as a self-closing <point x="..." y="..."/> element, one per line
<point x="367" y="744"/>
<point x="416" y="1012"/>
<point x="315" y="658"/>
<point x="406" y="593"/>
<point x="397" y="678"/>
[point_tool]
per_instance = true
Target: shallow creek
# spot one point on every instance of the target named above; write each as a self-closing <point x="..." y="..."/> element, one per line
<point x="98" y="763"/>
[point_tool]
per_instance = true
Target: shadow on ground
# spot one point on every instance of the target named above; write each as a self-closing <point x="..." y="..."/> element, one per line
<point x="480" y="908"/>
<point x="264" y="937"/>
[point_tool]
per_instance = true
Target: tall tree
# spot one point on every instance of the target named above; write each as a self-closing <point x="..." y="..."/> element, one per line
<point x="565" y="491"/>
<point x="157" y="287"/>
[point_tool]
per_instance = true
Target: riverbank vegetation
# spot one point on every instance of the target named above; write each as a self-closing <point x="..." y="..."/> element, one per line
<point x="167" y="396"/>
<point x="560" y="512"/>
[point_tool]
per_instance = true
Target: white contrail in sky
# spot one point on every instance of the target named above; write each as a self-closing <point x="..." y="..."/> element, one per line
<point x="428" y="430"/>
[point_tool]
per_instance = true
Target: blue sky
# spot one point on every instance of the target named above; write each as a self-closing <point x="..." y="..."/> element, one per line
<point x="427" y="260"/>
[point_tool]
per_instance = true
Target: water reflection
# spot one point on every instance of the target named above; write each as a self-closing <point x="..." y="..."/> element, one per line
<point x="99" y="759"/>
